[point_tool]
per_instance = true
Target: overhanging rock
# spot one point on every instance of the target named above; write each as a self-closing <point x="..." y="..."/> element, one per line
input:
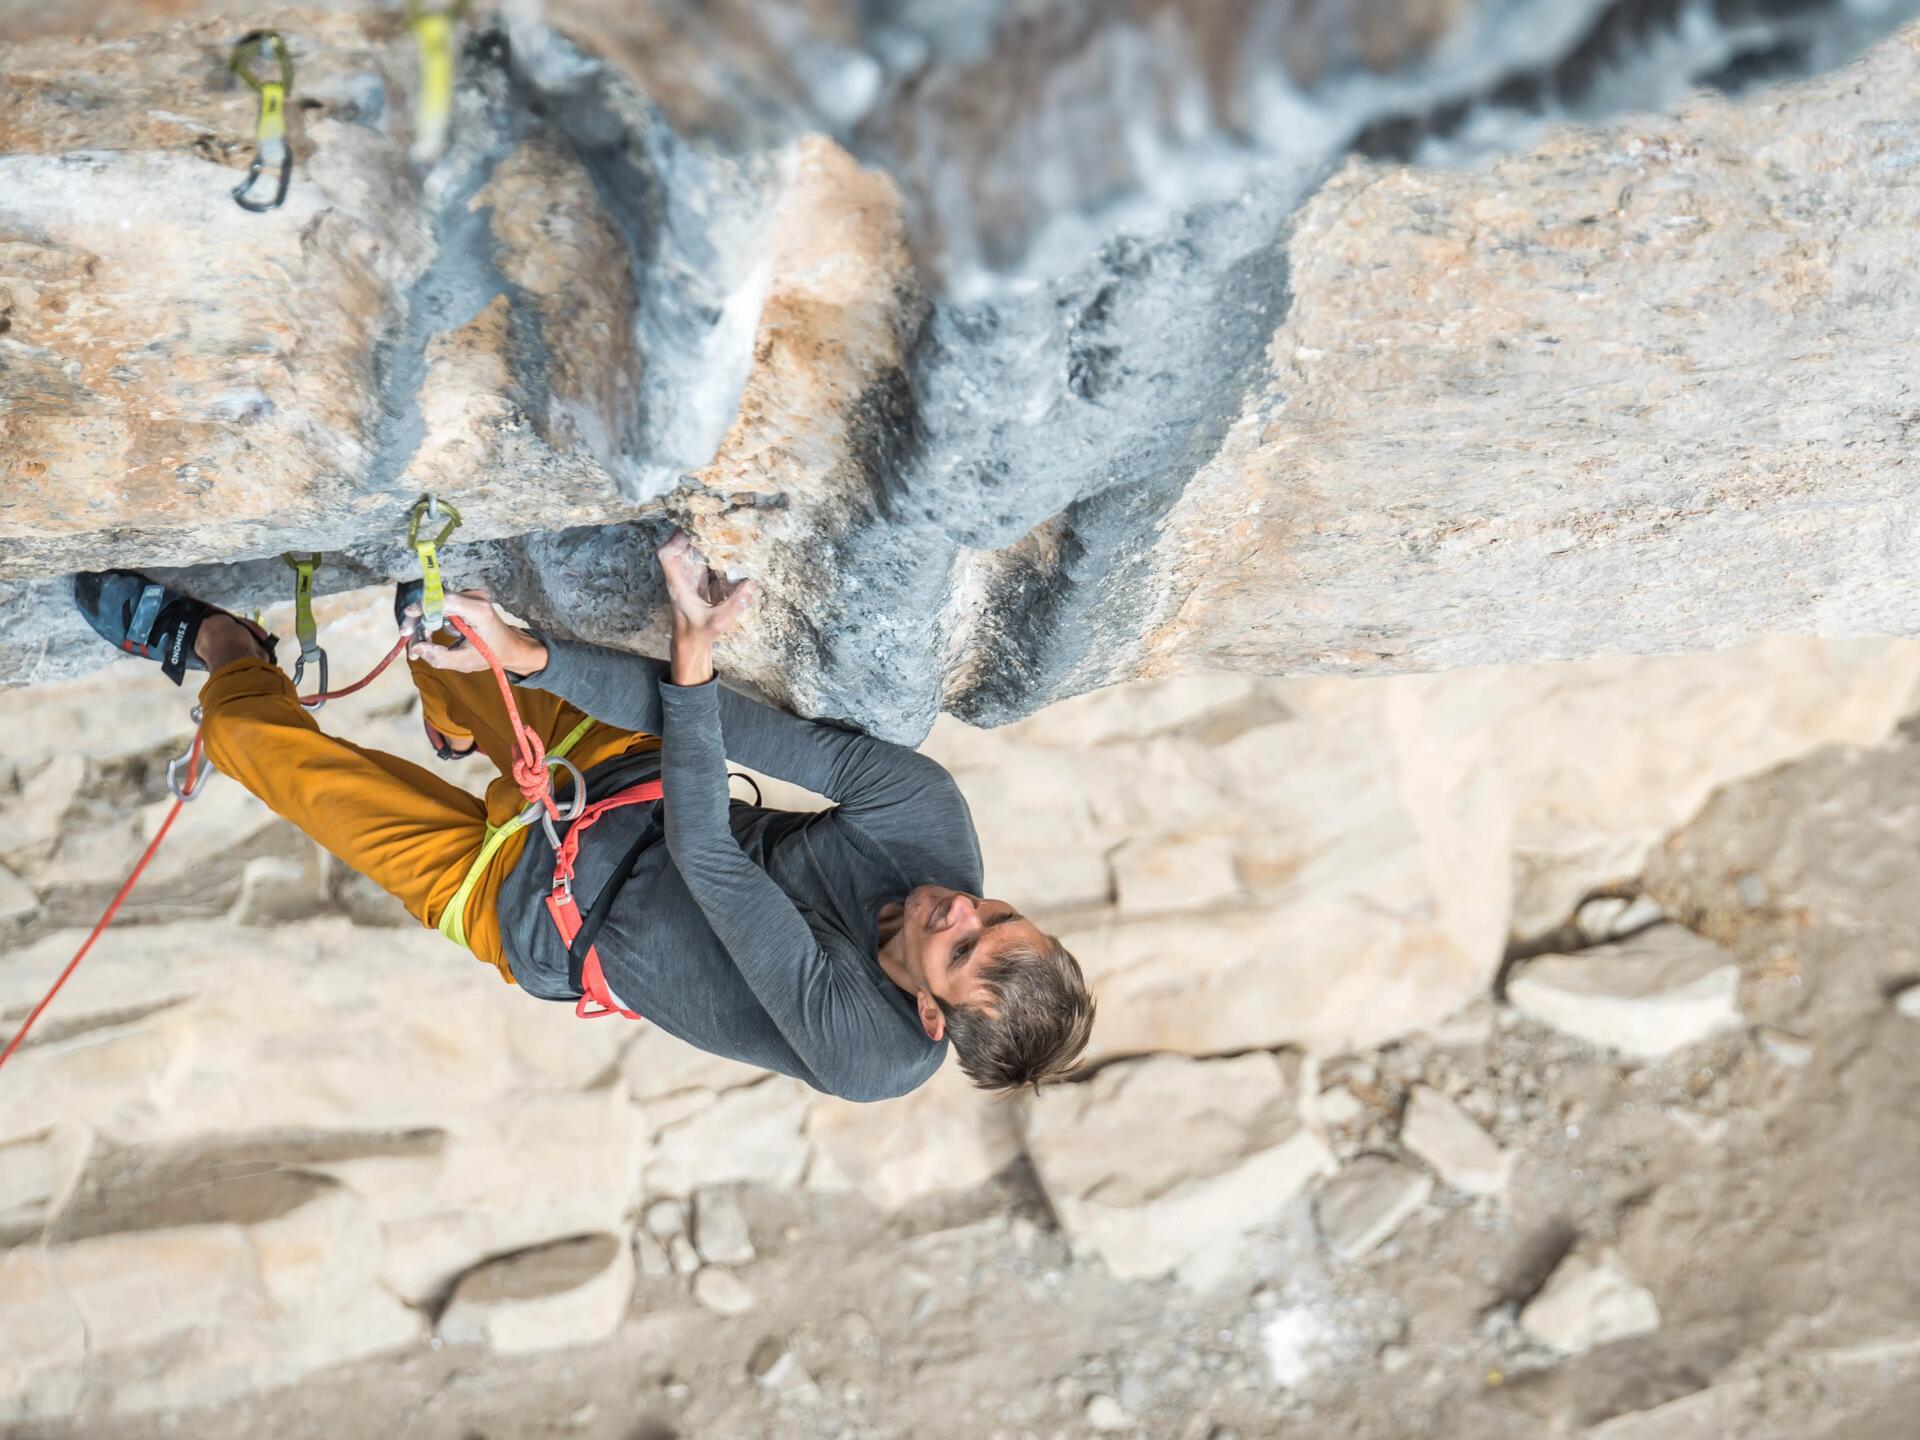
<point x="991" y="428"/>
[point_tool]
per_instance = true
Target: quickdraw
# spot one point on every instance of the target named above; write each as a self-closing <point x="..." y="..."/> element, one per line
<point x="433" y="596"/>
<point x="270" y="130"/>
<point x="304" y="628"/>
<point x="433" y="106"/>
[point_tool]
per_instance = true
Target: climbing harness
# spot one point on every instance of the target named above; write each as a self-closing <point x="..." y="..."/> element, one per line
<point x="530" y="771"/>
<point x="433" y="107"/>
<point x="433" y="595"/>
<point x="304" y="628"/>
<point x="270" y="130"/>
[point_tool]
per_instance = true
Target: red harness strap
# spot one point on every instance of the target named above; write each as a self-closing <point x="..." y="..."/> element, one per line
<point x="566" y="914"/>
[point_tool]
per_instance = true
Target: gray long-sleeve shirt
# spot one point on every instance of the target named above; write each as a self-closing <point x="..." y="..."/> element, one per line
<point x="747" y="931"/>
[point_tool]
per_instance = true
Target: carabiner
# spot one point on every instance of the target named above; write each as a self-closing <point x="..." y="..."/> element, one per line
<point x="433" y="593"/>
<point x="300" y="668"/>
<point x="270" y="130"/>
<point x="428" y="506"/>
<point x="192" y="791"/>
<point x="570" y="811"/>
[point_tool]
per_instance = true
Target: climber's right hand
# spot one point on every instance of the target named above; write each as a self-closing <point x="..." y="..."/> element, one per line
<point x="518" y="650"/>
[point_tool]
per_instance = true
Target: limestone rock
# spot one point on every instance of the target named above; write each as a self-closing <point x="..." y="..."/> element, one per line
<point x="16" y="896"/>
<point x="1728" y="1408"/>
<point x="1587" y="1303"/>
<point x="721" y="1291"/>
<point x="665" y="1219"/>
<point x="1377" y="878"/>
<point x="1175" y="873"/>
<point x="656" y="1065"/>
<point x="1460" y="1152"/>
<point x="38" y="1172"/>
<point x="748" y="1135"/>
<point x="194" y="1315"/>
<point x="777" y="1370"/>
<point x="1647" y="997"/>
<point x="720" y="1229"/>
<point x="571" y="1292"/>
<point x="275" y="890"/>
<point x="944" y="1136"/>
<point x="1907" y="1002"/>
<point x="583" y="303"/>
<point x="1367" y="1202"/>
<point x="651" y="1256"/>
<point x="1153" y="1161"/>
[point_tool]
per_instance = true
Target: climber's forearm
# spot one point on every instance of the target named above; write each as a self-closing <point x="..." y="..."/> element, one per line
<point x="691" y="661"/>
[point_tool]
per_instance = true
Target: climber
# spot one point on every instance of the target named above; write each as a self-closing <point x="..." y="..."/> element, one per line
<point x="846" y="948"/>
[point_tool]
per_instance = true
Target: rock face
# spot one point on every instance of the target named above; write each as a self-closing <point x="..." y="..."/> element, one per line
<point x="1460" y="1152"/>
<point x="1648" y="997"/>
<point x="1363" y="851"/>
<point x="1367" y="1203"/>
<point x="1588" y="1302"/>
<point x="1154" y="1161"/>
<point x="1627" y="391"/>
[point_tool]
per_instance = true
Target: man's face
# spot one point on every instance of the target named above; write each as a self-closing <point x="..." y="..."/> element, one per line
<point x="951" y="937"/>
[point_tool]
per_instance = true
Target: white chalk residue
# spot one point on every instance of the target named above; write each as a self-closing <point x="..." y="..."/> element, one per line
<point x="1295" y="1341"/>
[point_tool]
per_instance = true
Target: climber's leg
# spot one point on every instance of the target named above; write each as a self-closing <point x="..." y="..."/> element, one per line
<point x="402" y="826"/>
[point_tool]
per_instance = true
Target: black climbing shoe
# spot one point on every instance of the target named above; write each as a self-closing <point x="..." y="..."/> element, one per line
<point x="145" y="618"/>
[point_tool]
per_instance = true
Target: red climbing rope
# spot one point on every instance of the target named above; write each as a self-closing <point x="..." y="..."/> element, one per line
<point x="529" y="752"/>
<point x="193" y="765"/>
<point x="399" y="649"/>
<point x="529" y="771"/>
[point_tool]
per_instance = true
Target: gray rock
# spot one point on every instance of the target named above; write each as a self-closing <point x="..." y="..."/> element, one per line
<point x="1366" y="1202"/>
<point x="275" y="890"/>
<point x="1587" y="1303"/>
<point x="722" y="1292"/>
<point x="1647" y="996"/>
<point x="666" y="1218"/>
<point x="776" y="1369"/>
<point x="573" y="1292"/>
<point x="16" y="896"/>
<point x="1460" y="1152"/>
<point x="720" y="1229"/>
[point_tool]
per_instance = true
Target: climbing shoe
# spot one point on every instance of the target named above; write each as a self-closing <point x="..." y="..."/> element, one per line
<point x="145" y="618"/>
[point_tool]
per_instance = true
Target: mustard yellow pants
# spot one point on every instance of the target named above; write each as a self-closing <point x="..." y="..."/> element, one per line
<point x="399" y="824"/>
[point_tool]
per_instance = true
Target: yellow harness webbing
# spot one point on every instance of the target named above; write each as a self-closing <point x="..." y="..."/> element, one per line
<point x="453" y="922"/>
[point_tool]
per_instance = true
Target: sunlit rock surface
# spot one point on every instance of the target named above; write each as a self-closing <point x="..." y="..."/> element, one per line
<point x="1019" y="350"/>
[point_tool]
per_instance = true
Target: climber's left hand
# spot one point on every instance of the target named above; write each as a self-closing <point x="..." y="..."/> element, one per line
<point x="705" y="603"/>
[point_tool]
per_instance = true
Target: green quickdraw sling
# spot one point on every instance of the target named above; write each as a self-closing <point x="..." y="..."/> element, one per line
<point x="304" y="628"/>
<point x="270" y="130"/>
<point x="433" y="105"/>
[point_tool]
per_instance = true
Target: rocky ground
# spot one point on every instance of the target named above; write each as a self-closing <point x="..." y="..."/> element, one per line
<point x="276" y="1164"/>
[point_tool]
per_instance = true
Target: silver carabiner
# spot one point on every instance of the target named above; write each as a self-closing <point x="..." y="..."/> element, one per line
<point x="192" y="791"/>
<point x="299" y="669"/>
<point x="570" y="811"/>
